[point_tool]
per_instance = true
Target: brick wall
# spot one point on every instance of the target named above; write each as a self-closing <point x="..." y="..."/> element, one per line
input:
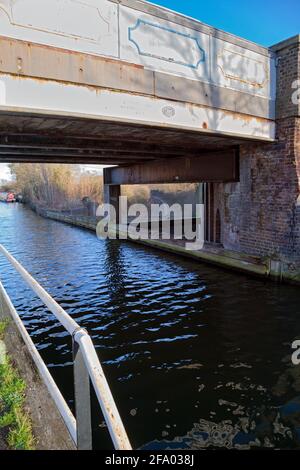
<point x="269" y="195"/>
<point x="261" y="213"/>
<point x="288" y="71"/>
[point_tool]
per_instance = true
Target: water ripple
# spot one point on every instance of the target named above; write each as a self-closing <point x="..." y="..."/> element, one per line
<point x="200" y="355"/>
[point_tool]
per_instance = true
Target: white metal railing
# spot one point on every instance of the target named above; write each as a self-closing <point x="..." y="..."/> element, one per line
<point x="86" y="367"/>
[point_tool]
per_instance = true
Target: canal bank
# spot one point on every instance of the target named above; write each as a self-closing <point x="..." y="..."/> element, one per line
<point x="267" y="268"/>
<point x="39" y="414"/>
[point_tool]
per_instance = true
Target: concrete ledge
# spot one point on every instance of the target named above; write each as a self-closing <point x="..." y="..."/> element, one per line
<point x="224" y="261"/>
<point x="48" y="426"/>
<point x="293" y="41"/>
<point x="89" y="223"/>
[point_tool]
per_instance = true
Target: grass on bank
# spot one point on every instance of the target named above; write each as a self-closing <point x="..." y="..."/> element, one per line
<point x="3" y="326"/>
<point x="14" y="421"/>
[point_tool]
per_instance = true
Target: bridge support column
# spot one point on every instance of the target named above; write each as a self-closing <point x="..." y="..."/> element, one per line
<point x="112" y="194"/>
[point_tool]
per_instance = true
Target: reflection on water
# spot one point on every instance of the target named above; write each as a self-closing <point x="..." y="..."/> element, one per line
<point x="196" y="357"/>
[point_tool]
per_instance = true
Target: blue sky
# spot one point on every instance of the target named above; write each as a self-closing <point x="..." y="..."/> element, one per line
<point x="263" y="21"/>
<point x="4" y="172"/>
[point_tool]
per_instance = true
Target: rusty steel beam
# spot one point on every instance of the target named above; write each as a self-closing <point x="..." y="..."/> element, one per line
<point x="107" y="148"/>
<point x="89" y="153"/>
<point x="189" y="141"/>
<point x="62" y="160"/>
<point x="69" y="160"/>
<point x="76" y="144"/>
<point x="81" y="155"/>
<point x="103" y="158"/>
<point x="220" y="166"/>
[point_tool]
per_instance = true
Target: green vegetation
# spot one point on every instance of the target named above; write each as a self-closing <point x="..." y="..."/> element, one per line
<point x="55" y="186"/>
<point x="3" y="326"/>
<point x="13" y="419"/>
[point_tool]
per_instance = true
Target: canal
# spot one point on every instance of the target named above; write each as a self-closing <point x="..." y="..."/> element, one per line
<point x="196" y="357"/>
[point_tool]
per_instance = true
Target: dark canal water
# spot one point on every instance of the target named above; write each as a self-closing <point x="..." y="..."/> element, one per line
<point x="196" y="357"/>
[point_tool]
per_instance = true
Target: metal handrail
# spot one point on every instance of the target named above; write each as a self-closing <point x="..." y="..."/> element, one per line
<point x="86" y="366"/>
<point x="53" y="390"/>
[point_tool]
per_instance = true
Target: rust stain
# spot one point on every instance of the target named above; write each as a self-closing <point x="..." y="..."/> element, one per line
<point x="19" y="64"/>
<point x="95" y="88"/>
<point x="34" y="45"/>
<point x="247" y="118"/>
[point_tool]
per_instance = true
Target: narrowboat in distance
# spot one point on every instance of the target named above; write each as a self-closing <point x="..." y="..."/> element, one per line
<point x="7" y="197"/>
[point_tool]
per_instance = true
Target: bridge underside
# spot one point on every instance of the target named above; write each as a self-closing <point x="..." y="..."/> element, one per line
<point x="36" y="138"/>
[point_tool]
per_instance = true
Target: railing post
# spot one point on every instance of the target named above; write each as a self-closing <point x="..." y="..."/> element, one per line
<point x="82" y="399"/>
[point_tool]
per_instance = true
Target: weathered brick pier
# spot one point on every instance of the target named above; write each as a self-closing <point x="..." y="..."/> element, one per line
<point x="260" y="213"/>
